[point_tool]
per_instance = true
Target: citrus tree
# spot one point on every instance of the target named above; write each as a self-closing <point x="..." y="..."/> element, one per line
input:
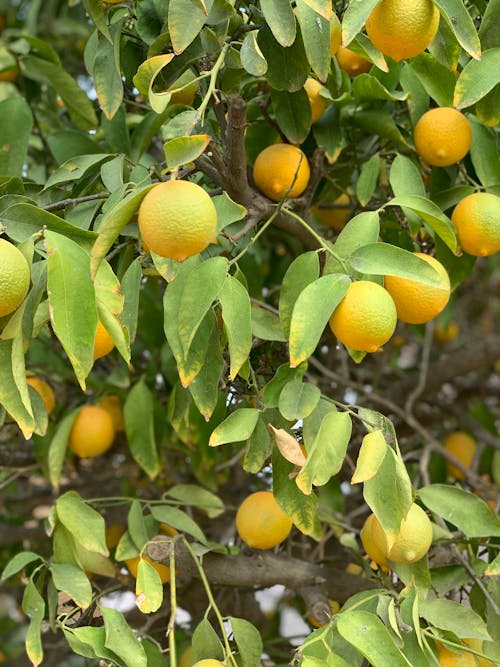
<point x="249" y="310"/>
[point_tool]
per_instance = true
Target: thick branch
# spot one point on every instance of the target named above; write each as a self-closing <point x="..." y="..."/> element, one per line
<point x="262" y="569"/>
<point x="477" y="355"/>
<point x="235" y="147"/>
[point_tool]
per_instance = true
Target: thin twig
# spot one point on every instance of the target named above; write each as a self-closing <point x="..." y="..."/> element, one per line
<point x="73" y="201"/>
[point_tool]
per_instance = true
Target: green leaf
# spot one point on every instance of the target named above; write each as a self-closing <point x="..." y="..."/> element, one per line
<point x="287" y="67"/>
<point x="406" y="179"/>
<point x="130" y="287"/>
<point x="383" y="259"/>
<point x="34" y="607"/>
<point x="302" y="510"/>
<point x="454" y="617"/>
<point x="298" y="399"/>
<point x="11" y="396"/>
<point x="437" y="80"/>
<point x="326" y="456"/>
<point x="367" y="633"/>
<point x="303" y="270"/>
<point x="112" y="222"/>
<point x="293" y="114"/>
<point x="84" y="523"/>
<point x="179" y="520"/>
<point x="484" y="154"/>
<point x="315" y="29"/>
<point x="148" y="588"/>
<point x="355" y="17"/>
<point x="185" y="21"/>
<point x="145" y="77"/>
<point x="283" y="374"/>
<point x="361" y="230"/>
<point x="120" y="639"/>
<point x="477" y="78"/>
<point x="74" y="320"/>
<point x="311" y="312"/>
<point x="389" y="494"/>
<point x="195" y="496"/>
<point x="236" y="314"/>
<point x="89" y="642"/>
<point x="368" y="179"/>
<point x="459" y="20"/>
<point x="258" y="448"/>
<point x="76" y="168"/>
<point x="204" y="388"/>
<point x="329" y="135"/>
<point x="248" y="641"/>
<point x="183" y="150"/>
<point x="367" y="87"/>
<point x="106" y="72"/>
<point x="96" y="13"/>
<point x="381" y="123"/>
<point x="418" y="99"/>
<point x="17" y="121"/>
<point x="465" y="510"/>
<point x="266" y="325"/>
<point x="137" y="528"/>
<point x="80" y="108"/>
<point x="228" y="211"/>
<point x="23" y="220"/>
<point x="251" y="56"/>
<point x="73" y="581"/>
<point x="201" y="287"/>
<point x="58" y="447"/>
<point x="235" y="428"/>
<point x="206" y="643"/>
<point x="281" y="20"/>
<point x="432" y="215"/>
<point x="489" y="30"/>
<point x="371" y="455"/>
<point x="18" y="563"/>
<point x="138" y="412"/>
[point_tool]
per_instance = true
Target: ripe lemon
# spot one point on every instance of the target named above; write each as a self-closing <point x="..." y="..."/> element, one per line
<point x="209" y="662"/>
<point x="333" y="217"/>
<point x="376" y="551"/>
<point x="92" y="433"/>
<point x="416" y="302"/>
<point x="446" y="333"/>
<point x="442" y="136"/>
<point x="103" y="343"/>
<point x="9" y="75"/>
<point x="477" y="221"/>
<point x="352" y="62"/>
<point x="412" y="541"/>
<point x="317" y="102"/>
<point x="478" y="645"/>
<point x="365" y="319"/>
<point x="186" y="658"/>
<point x="281" y="170"/>
<point x="448" y="658"/>
<point x="163" y="570"/>
<point x="189" y="86"/>
<point x="260" y="521"/>
<point x="177" y="219"/>
<point x="403" y="28"/>
<point x="463" y="447"/>
<point x="335" y="35"/>
<point x="45" y="391"/>
<point x="113" y="534"/>
<point x="14" y="277"/>
<point x="111" y="403"/>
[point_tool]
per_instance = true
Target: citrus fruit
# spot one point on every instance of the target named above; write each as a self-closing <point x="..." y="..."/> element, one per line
<point x="111" y="403"/>
<point x="14" y="277"/>
<point x="318" y="103"/>
<point x="477" y="221"/>
<point x="365" y="319"/>
<point x="177" y="219"/>
<point x="448" y="658"/>
<point x="416" y="302"/>
<point x="260" y="521"/>
<point x="103" y="343"/>
<point x="403" y="28"/>
<point x="281" y="170"/>
<point x="45" y="391"/>
<point x="9" y="75"/>
<point x="478" y="645"/>
<point x="463" y="447"/>
<point x="442" y="136"/>
<point x="209" y="662"/>
<point x="412" y="541"/>
<point x="352" y="62"/>
<point x="186" y="657"/>
<point x="446" y="333"/>
<point x="335" y="35"/>
<point x="113" y="534"/>
<point x="376" y="551"/>
<point x="92" y="433"/>
<point x="163" y="570"/>
<point x="331" y="216"/>
<point x="186" y="81"/>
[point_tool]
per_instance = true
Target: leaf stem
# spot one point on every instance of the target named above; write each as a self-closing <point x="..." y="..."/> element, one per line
<point x="211" y="85"/>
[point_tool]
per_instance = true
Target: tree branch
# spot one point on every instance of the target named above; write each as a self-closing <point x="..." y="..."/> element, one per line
<point x="260" y="569"/>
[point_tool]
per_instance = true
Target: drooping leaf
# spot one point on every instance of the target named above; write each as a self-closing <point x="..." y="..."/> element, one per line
<point x="287" y="67"/>
<point x="235" y="428"/>
<point x="106" y="72"/>
<point x="454" y="617"/>
<point x="459" y="20"/>
<point x="368" y="178"/>
<point x="302" y="271"/>
<point x="22" y="220"/>
<point x="76" y="168"/>
<point x="293" y="113"/>
<point x="315" y="29"/>
<point x="298" y="399"/>
<point x="371" y="454"/>
<point x="139" y="425"/>
<point x="206" y="642"/>
<point x="288" y="446"/>
<point x="236" y="314"/>
<point x="437" y="80"/>
<point x="17" y="121"/>
<point x="148" y="588"/>
<point x="251" y="56"/>
<point x="178" y="519"/>
<point x="73" y="581"/>
<point x="390" y="260"/>
<point x="196" y="496"/>
<point x="248" y="641"/>
<point x="204" y="388"/>
<point x="485" y="154"/>
<point x="361" y="230"/>
<point x="258" y="448"/>
<point x="10" y="394"/>
<point x="120" y="639"/>
<point x="83" y="523"/>
<point x="18" y="563"/>
<point x="355" y="17"/>
<point x="58" y="446"/>
<point x="477" y="78"/>
<point x="185" y="21"/>
<point x="281" y="20"/>
<point x="34" y="607"/>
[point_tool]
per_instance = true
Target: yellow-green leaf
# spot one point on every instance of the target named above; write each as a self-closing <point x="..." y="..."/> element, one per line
<point x="182" y="150"/>
<point x="371" y="454"/>
<point x="144" y="79"/>
<point x="148" y="588"/>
